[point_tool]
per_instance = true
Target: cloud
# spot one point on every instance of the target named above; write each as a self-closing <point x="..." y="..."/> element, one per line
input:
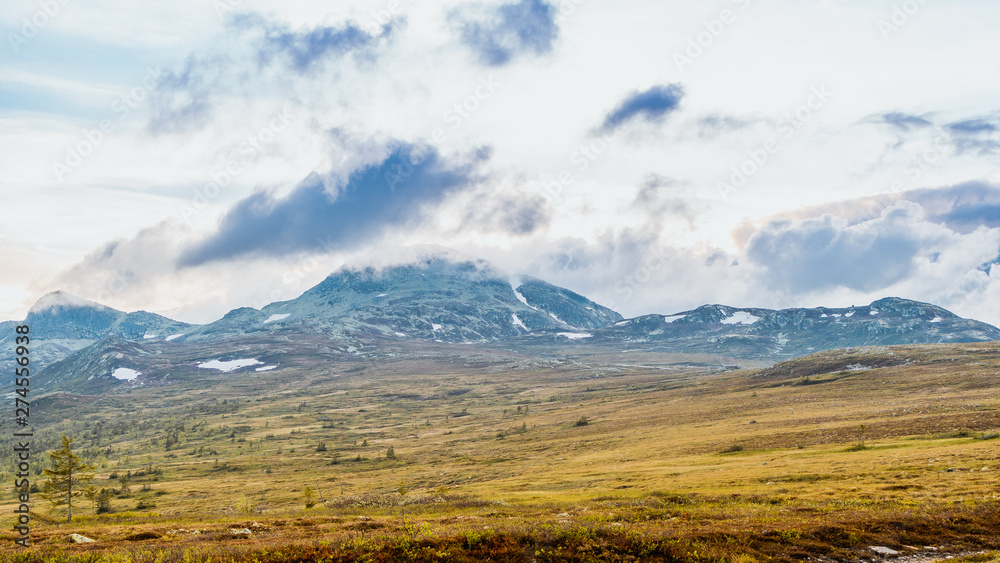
<point x="512" y="213"/>
<point x="652" y="105"/>
<point x="827" y="252"/>
<point x="635" y="272"/>
<point x="257" y="57"/>
<point x="337" y="214"/>
<point x="972" y="127"/>
<point x="498" y="34"/>
<point x="977" y="136"/>
<point x="963" y="207"/>
<point x="661" y="198"/>
<point x="303" y="51"/>
<point x="939" y="245"/>
<point x="711" y="126"/>
<point x="903" y="121"/>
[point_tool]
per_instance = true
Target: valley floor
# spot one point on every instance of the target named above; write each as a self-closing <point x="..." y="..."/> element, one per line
<point x="494" y="456"/>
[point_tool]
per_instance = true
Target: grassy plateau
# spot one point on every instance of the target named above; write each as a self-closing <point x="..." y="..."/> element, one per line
<point x="454" y="454"/>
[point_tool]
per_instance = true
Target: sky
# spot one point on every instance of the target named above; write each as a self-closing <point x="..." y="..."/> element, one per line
<point x="193" y="156"/>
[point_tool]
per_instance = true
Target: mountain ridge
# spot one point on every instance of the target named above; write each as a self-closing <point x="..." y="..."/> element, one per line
<point x="454" y="298"/>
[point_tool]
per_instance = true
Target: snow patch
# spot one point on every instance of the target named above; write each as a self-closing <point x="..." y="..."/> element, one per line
<point x="278" y="317"/>
<point x="873" y="312"/>
<point x="173" y="336"/>
<point x="575" y="335"/>
<point x="147" y="336"/>
<point x="849" y="315"/>
<point x="383" y="294"/>
<point x="517" y="322"/>
<point x="230" y="365"/>
<point x="125" y="374"/>
<point x="936" y="320"/>
<point x="436" y="327"/>
<point x="520" y="297"/>
<point x="740" y="318"/>
<point x="823" y="316"/>
<point x="400" y="334"/>
<point x="623" y="323"/>
<point x="266" y="368"/>
<point x="673" y="318"/>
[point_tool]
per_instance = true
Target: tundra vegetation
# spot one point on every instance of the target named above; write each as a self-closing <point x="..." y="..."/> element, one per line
<point x="491" y="455"/>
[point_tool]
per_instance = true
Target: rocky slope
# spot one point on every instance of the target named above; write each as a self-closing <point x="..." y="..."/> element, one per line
<point x="761" y="333"/>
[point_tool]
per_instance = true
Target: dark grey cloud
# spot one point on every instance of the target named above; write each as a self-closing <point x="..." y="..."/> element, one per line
<point x="498" y="34"/>
<point x="963" y="207"/>
<point x="652" y="106"/>
<point x="260" y="56"/>
<point x="972" y="127"/>
<point x="303" y="51"/>
<point x="977" y="136"/>
<point x="711" y="126"/>
<point x="903" y="121"/>
<point x="826" y="252"/>
<point x="394" y="192"/>
<point x="517" y="214"/>
<point x="663" y="199"/>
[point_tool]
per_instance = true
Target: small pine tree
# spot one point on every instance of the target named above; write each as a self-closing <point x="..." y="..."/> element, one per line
<point x="66" y="478"/>
<point x="103" y="502"/>
<point x="861" y="437"/>
<point x="309" y="497"/>
<point x="390" y="453"/>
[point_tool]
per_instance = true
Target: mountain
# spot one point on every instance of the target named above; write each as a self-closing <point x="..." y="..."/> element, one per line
<point x="437" y="298"/>
<point x="564" y="305"/>
<point x="767" y="333"/>
<point x="432" y="301"/>
<point x="62" y="323"/>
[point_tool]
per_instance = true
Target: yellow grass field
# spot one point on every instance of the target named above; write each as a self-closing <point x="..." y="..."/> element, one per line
<point x="505" y="458"/>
